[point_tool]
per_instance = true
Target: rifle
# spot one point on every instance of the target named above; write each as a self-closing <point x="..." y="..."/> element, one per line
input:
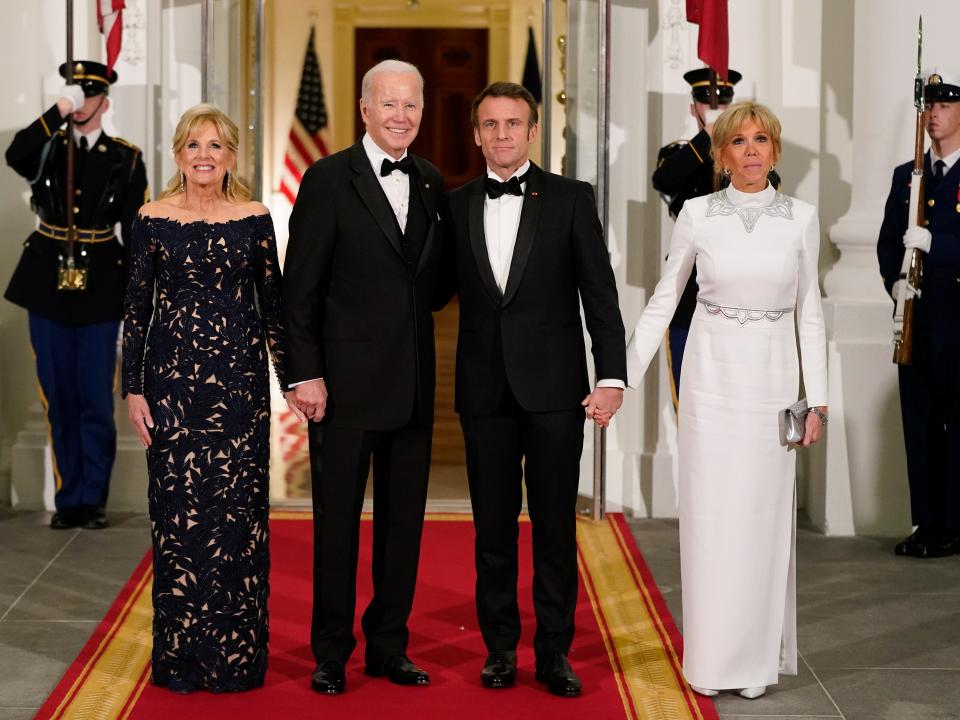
<point x="911" y="270"/>
<point x="71" y="275"/>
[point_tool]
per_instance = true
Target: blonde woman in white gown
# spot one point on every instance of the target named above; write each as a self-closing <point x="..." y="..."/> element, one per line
<point x="756" y="254"/>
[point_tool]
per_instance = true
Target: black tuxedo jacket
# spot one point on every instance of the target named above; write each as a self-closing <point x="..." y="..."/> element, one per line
<point x="531" y="335"/>
<point x="357" y="312"/>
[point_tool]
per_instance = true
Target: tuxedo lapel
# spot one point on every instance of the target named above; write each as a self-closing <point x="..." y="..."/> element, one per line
<point x="478" y="240"/>
<point x="526" y="231"/>
<point x="368" y="187"/>
<point x="429" y="196"/>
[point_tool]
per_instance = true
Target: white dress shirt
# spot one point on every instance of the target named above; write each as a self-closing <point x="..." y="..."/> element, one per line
<point x="91" y="137"/>
<point x="396" y="185"/>
<point x="948" y="160"/>
<point x="501" y="220"/>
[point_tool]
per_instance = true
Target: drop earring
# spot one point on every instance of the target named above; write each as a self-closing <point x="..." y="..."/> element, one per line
<point x="183" y="183"/>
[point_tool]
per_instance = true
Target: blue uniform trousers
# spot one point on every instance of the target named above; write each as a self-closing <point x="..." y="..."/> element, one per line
<point x="76" y="366"/>
<point x="930" y="405"/>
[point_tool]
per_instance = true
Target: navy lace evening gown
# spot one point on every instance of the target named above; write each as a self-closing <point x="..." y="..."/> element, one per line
<point x="202" y="309"/>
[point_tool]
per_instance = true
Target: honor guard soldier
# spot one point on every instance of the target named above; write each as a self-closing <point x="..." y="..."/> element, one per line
<point x="74" y="324"/>
<point x="930" y="384"/>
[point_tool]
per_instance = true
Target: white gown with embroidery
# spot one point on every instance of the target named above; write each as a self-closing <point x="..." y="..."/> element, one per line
<point x="756" y="257"/>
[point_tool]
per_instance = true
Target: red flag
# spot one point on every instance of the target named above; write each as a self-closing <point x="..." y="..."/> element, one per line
<point x="110" y="22"/>
<point x="713" y="42"/>
<point x="307" y="142"/>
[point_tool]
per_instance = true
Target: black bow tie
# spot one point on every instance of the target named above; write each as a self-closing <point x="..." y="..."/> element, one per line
<point x="405" y="166"/>
<point x="495" y="188"/>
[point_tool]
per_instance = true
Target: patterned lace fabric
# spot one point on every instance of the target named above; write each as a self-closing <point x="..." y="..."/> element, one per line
<point x="198" y="355"/>
<point x="720" y="203"/>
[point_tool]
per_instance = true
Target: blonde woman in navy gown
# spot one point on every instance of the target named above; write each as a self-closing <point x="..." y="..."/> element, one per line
<point x="202" y="311"/>
<point x="756" y="253"/>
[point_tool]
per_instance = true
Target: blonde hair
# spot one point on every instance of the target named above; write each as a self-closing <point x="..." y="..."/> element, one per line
<point x="234" y="187"/>
<point x="730" y="123"/>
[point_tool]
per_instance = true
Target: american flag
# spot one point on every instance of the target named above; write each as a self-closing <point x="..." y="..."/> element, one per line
<point x="110" y="22"/>
<point x="307" y="132"/>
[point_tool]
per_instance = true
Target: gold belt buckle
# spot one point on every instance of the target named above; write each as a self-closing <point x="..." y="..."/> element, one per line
<point x="71" y="277"/>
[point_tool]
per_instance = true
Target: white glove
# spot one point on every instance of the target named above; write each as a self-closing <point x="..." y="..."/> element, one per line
<point x="917" y="238"/>
<point x="895" y="293"/>
<point x="72" y="97"/>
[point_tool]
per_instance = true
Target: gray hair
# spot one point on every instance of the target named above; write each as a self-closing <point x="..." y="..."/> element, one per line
<point x="394" y="66"/>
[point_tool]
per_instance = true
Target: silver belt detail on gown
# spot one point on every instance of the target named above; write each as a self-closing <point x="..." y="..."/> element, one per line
<point x="742" y="315"/>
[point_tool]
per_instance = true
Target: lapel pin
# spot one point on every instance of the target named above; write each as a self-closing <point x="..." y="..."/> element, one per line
<point x="534" y="193"/>
<point x="426" y="185"/>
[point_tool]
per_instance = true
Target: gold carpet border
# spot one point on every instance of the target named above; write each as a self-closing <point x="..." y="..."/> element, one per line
<point x="637" y="642"/>
<point x="111" y="683"/>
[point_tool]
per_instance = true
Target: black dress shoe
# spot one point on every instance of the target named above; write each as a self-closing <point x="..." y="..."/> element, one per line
<point x="941" y="545"/>
<point x="399" y="670"/>
<point x="555" y="672"/>
<point x="500" y="669"/>
<point x="66" y="519"/>
<point x="915" y="545"/>
<point x="329" y="677"/>
<point x="94" y="518"/>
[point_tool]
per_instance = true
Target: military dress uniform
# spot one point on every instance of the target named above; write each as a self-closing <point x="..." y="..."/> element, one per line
<point x="930" y="385"/>
<point x="684" y="171"/>
<point x="74" y="332"/>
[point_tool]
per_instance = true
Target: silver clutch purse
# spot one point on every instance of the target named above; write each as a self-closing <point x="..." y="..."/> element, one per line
<point x="792" y="422"/>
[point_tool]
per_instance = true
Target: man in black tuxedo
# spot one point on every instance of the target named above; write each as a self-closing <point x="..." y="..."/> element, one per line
<point x="358" y="285"/>
<point x="528" y="247"/>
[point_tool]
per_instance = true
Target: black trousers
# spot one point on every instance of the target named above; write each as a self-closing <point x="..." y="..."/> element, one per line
<point x="503" y="449"/>
<point x="401" y="465"/>
<point x="930" y="405"/>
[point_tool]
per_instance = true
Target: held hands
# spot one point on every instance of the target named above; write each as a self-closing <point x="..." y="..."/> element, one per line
<point x="71" y="99"/>
<point x="917" y="238"/>
<point x="813" y="430"/>
<point x="139" y="413"/>
<point x="309" y="400"/>
<point x="602" y="404"/>
<point x="291" y="398"/>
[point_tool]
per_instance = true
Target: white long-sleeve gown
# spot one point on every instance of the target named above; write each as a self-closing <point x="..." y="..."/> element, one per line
<point x="756" y="256"/>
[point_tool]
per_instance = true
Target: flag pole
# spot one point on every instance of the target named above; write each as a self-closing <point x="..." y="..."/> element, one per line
<point x="546" y="86"/>
<point x="65" y="281"/>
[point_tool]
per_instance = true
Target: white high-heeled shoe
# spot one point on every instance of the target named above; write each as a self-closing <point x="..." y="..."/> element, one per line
<point x="703" y="691"/>
<point x="752" y="693"/>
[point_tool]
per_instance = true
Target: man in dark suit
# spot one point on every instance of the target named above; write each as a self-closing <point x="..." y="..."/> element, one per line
<point x="74" y="331"/>
<point x="930" y="385"/>
<point x="528" y="248"/>
<point x="358" y="288"/>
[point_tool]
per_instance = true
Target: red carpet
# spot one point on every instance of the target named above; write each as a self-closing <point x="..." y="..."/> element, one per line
<point x="626" y="650"/>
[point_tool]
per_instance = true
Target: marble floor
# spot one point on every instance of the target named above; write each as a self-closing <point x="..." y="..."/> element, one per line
<point x="879" y="636"/>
